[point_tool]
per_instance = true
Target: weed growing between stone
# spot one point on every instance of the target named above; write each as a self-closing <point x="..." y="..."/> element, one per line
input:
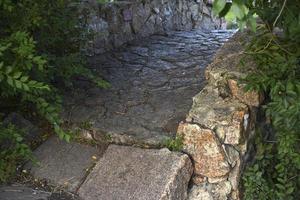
<point x="174" y="144"/>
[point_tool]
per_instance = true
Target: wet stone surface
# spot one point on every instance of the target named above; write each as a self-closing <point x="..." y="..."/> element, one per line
<point x="152" y="85"/>
<point x="23" y="192"/>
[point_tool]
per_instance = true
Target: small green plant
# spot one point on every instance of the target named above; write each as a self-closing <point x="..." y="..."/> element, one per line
<point x="86" y="125"/>
<point x="13" y="151"/>
<point x="108" y="137"/>
<point x="175" y="144"/>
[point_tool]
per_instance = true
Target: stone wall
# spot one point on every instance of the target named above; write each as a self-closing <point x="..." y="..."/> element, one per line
<point x="121" y="21"/>
<point x="217" y="131"/>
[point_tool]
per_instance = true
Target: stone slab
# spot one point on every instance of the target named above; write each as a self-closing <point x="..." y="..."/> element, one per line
<point x="22" y="193"/>
<point x="63" y="164"/>
<point x="125" y="173"/>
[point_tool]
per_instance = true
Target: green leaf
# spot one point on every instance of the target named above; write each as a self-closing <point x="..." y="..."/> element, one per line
<point x="225" y="10"/>
<point x="67" y="137"/>
<point x="218" y="6"/>
<point x="24" y="78"/>
<point x="25" y="87"/>
<point x="19" y="139"/>
<point x="10" y="81"/>
<point x="8" y="69"/>
<point x="252" y="23"/>
<point x="240" y="10"/>
<point x="18" y="84"/>
<point x="17" y="75"/>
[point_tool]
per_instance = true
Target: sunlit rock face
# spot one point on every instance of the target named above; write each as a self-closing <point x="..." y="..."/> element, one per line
<point x="208" y="155"/>
<point x="118" y="22"/>
<point x="218" y="129"/>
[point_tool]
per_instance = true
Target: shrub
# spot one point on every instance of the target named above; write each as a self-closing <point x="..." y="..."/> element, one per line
<point x="276" y="168"/>
<point x="13" y="151"/>
<point x="41" y="46"/>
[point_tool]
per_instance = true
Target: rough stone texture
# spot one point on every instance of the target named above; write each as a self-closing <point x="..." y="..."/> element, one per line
<point x="228" y="113"/>
<point x="64" y="164"/>
<point x="18" y="192"/>
<point x="200" y="193"/>
<point x="219" y="191"/>
<point x="133" y="173"/>
<point x="32" y="134"/>
<point x="227" y="117"/>
<point x="250" y="98"/>
<point x="205" y="149"/>
<point x="152" y="85"/>
<point x="122" y="21"/>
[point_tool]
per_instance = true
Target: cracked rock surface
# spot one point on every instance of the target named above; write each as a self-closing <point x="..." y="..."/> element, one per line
<point x="152" y="85"/>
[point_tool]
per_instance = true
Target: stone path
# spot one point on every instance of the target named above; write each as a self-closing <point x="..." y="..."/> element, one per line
<point x="153" y="82"/>
<point x="152" y="85"/>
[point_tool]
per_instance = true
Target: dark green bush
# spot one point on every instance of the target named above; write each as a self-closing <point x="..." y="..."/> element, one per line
<point x="278" y="76"/>
<point x="41" y="45"/>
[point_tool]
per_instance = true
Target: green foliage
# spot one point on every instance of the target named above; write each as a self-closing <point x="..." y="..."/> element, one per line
<point x="278" y="76"/>
<point x="276" y="168"/>
<point x="236" y="10"/>
<point x="174" y="144"/>
<point x="41" y="46"/>
<point x="13" y="151"/>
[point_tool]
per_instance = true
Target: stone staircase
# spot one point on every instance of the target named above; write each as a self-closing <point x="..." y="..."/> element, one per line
<point x="123" y="128"/>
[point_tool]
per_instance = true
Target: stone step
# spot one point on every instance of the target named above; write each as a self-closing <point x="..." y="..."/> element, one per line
<point x="64" y="164"/>
<point x="121" y="172"/>
<point x="132" y="173"/>
<point x="28" y="192"/>
<point x="19" y="192"/>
